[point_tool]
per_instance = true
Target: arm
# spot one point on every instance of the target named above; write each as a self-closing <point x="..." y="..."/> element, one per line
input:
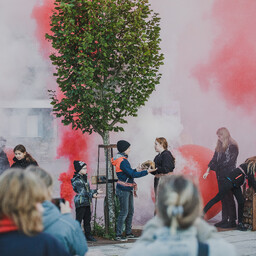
<point x="213" y="163"/>
<point x="126" y="168"/>
<point x="78" y="242"/>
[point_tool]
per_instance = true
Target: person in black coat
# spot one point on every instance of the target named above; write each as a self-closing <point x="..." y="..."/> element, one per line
<point x="223" y="163"/>
<point x="4" y="162"/>
<point x="233" y="183"/>
<point x="22" y="158"/>
<point x="164" y="161"/>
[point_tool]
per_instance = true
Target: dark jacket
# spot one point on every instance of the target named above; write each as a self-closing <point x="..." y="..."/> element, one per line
<point x="164" y="162"/>
<point x="4" y="162"/>
<point x="81" y="186"/>
<point x="237" y="177"/>
<point x="65" y="229"/>
<point x="15" y="243"/>
<point x="127" y="174"/>
<point x="23" y="163"/>
<point x="224" y="162"/>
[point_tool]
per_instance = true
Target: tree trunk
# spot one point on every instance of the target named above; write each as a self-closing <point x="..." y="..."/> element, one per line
<point x="109" y="211"/>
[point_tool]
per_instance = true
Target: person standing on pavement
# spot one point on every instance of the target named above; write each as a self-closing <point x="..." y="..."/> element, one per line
<point x="126" y="188"/>
<point x="223" y="163"/>
<point x="164" y="161"/>
<point x="83" y="197"/>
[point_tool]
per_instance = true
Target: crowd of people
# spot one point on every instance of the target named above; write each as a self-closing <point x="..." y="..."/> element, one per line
<point x="30" y="218"/>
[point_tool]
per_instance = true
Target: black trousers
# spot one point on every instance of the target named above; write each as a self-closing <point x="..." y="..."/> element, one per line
<point x="225" y="189"/>
<point x="84" y="213"/>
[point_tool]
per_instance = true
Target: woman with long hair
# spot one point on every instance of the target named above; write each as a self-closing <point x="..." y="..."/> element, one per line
<point x="22" y="158"/>
<point x="164" y="161"/>
<point x="233" y="183"/>
<point x="21" y="194"/>
<point x="223" y="163"/>
<point x="177" y="229"/>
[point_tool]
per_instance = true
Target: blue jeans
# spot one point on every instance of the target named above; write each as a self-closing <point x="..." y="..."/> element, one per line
<point x="126" y="211"/>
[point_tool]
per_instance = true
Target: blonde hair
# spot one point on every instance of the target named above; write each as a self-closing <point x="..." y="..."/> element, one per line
<point x="251" y="165"/>
<point x="42" y="174"/>
<point x="20" y="192"/>
<point x="179" y="202"/>
<point x="228" y="140"/>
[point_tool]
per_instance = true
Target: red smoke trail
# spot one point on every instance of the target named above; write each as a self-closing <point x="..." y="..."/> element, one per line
<point x="231" y="66"/>
<point x="73" y="144"/>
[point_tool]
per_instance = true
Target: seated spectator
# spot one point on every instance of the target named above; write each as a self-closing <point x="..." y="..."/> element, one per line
<point x="60" y="224"/>
<point x="20" y="217"/>
<point x="177" y="228"/>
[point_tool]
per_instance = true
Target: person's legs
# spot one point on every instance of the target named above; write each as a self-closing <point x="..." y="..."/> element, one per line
<point x="225" y="188"/>
<point x="80" y="213"/>
<point x="128" y="221"/>
<point x="240" y="201"/>
<point x="123" y="197"/>
<point x="224" y="211"/>
<point x="87" y="221"/>
<point x="229" y="202"/>
<point x="156" y="181"/>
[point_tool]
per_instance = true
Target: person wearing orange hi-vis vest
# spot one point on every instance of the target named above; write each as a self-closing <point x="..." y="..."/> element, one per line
<point x="126" y="188"/>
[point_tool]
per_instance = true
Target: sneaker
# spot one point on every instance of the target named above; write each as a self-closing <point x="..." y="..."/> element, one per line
<point x="219" y="224"/>
<point x="230" y="224"/>
<point x="121" y="238"/>
<point x="131" y="236"/>
<point x="91" y="239"/>
<point x="241" y="227"/>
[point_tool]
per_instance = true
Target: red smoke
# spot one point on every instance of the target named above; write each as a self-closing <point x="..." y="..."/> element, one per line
<point x="73" y="144"/>
<point x="231" y="66"/>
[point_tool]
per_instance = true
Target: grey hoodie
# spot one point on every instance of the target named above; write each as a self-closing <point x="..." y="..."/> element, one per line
<point x="65" y="229"/>
<point x="157" y="240"/>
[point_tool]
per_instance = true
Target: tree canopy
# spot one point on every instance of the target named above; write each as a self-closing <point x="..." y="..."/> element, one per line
<point x="107" y="61"/>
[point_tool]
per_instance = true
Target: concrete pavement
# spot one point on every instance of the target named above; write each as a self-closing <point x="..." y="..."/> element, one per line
<point x="245" y="243"/>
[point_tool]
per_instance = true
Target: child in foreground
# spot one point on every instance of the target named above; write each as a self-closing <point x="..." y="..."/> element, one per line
<point x="177" y="228"/>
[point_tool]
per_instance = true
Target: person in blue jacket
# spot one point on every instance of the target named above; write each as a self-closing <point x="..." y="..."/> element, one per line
<point x="60" y="224"/>
<point x="126" y="188"/>
<point x="21" y="226"/>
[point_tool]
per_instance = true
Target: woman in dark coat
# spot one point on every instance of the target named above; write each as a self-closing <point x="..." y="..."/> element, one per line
<point x="164" y="161"/>
<point x="22" y="158"/>
<point x="233" y="183"/>
<point x="223" y="163"/>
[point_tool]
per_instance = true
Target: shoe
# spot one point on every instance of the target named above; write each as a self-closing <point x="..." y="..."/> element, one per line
<point x="91" y="239"/>
<point x="241" y="227"/>
<point x="229" y="224"/>
<point x="131" y="236"/>
<point x="121" y="238"/>
<point x="219" y="224"/>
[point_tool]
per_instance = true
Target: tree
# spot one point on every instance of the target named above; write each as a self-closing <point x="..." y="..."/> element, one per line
<point x="107" y="62"/>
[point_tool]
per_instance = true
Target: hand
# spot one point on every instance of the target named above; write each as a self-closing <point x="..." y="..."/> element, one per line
<point x="65" y="207"/>
<point x="99" y="191"/>
<point x="205" y="175"/>
<point x="151" y="170"/>
<point x="139" y="168"/>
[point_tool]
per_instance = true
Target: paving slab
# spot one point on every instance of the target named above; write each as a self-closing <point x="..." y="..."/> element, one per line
<point x="244" y="241"/>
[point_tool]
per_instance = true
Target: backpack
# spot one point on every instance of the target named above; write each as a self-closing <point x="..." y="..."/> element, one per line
<point x="203" y="249"/>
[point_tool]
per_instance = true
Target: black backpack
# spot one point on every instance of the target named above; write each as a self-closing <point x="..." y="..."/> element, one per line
<point x="203" y="249"/>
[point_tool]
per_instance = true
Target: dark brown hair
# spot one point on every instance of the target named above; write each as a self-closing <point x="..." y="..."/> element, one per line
<point x="22" y="149"/>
